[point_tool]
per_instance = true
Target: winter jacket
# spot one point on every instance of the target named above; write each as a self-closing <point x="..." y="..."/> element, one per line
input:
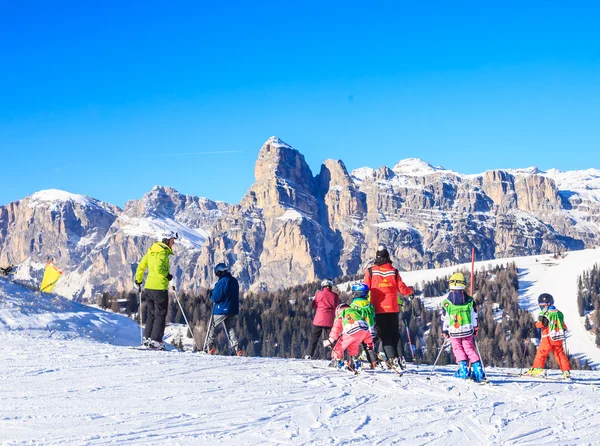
<point x="156" y="261"/>
<point x="459" y="315"/>
<point x="349" y="321"/>
<point x="552" y="323"/>
<point x="226" y="295"/>
<point x="384" y="284"/>
<point x="326" y="301"/>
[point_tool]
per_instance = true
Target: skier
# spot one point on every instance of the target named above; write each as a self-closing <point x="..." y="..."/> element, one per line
<point x="226" y="299"/>
<point x="459" y="324"/>
<point x="156" y="261"/>
<point x="353" y="326"/>
<point x="325" y="302"/>
<point x="385" y="283"/>
<point x="552" y="323"/>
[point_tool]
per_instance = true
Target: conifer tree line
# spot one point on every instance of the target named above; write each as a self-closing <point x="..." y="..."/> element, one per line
<point x="588" y="300"/>
<point x="277" y="323"/>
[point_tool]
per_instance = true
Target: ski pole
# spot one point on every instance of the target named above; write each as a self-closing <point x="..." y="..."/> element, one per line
<point x="523" y="357"/>
<point x="210" y="321"/>
<point x="184" y="317"/>
<point x="140" y="313"/>
<point x="437" y="359"/>
<point x="480" y="358"/>
<point x="409" y="341"/>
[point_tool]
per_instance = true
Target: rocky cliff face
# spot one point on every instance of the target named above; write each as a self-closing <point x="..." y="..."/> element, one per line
<point x="292" y="226"/>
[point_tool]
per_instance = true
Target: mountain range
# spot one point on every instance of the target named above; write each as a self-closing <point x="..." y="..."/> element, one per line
<point x="293" y="226"/>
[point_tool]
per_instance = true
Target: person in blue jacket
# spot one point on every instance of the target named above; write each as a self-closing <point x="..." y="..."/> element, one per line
<point x="226" y="299"/>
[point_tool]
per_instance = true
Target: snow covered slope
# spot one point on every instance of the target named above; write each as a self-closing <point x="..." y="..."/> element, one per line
<point x="84" y="392"/>
<point x="49" y="315"/>
<point x="60" y="386"/>
<point x="537" y="275"/>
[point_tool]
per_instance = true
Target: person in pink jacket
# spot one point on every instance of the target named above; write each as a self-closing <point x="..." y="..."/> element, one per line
<point x="326" y="301"/>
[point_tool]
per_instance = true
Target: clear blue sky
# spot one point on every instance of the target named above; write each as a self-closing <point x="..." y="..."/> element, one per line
<point x="106" y="99"/>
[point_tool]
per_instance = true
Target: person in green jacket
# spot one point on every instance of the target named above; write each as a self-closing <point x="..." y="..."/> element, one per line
<point x="156" y="261"/>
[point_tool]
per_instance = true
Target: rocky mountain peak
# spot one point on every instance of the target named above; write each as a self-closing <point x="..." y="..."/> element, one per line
<point x="283" y="180"/>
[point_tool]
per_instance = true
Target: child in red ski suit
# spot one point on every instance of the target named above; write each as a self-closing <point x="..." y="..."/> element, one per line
<point x="551" y="322"/>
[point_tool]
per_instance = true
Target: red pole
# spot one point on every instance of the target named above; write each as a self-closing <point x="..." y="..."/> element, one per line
<point x="472" y="271"/>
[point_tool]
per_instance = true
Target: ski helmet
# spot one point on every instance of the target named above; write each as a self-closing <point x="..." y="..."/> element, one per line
<point x="545" y="299"/>
<point x="168" y="235"/>
<point x="382" y="252"/>
<point x="340" y="307"/>
<point x="221" y="268"/>
<point x="360" y="290"/>
<point x="457" y="281"/>
<point x="326" y="282"/>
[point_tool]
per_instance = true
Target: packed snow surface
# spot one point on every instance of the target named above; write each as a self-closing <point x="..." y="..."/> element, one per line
<point x="68" y="378"/>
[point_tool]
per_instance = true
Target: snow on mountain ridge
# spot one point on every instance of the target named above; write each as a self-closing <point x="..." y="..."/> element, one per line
<point x="415" y="167"/>
<point x="57" y="197"/>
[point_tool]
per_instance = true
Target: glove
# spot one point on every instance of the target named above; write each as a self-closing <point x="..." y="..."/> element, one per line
<point x="169" y="277"/>
<point x="445" y="334"/>
<point x="311" y="297"/>
<point x="326" y="343"/>
<point x="543" y="319"/>
<point x="411" y="296"/>
<point x="139" y="285"/>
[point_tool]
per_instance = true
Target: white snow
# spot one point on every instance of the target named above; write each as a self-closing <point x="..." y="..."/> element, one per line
<point x="67" y="379"/>
<point x="56" y="195"/>
<point x="274" y="141"/>
<point x="400" y="225"/>
<point x="291" y="214"/>
<point x="192" y="238"/>
<point x="61" y="318"/>
<point x="415" y="167"/>
<point x="362" y="173"/>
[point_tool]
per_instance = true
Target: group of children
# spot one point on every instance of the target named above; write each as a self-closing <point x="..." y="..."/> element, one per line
<point x="354" y="326"/>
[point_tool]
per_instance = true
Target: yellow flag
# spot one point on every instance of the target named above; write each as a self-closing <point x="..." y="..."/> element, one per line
<point x="51" y="276"/>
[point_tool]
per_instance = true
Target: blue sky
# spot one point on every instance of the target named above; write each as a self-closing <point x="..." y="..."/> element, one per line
<point x="107" y="99"/>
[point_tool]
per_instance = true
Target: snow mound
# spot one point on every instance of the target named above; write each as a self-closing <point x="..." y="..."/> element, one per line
<point x="415" y="167"/>
<point x="24" y="310"/>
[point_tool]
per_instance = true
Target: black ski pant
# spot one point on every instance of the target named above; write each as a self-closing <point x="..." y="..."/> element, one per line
<point x="157" y="302"/>
<point x="388" y="331"/>
<point x="315" y="336"/>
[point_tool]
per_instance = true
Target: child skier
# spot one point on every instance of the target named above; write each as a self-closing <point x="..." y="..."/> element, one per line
<point x="459" y="323"/>
<point x="353" y="325"/>
<point x="552" y="323"/>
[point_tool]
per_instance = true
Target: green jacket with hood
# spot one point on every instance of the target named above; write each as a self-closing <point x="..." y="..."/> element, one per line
<point x="156" y="261"/>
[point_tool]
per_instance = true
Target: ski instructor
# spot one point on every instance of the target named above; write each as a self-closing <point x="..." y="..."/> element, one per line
<point x="384" y="284"/>
<point x="156" y="261"/>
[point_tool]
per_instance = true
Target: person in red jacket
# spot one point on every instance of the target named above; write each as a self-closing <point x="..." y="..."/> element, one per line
<point x="384" y="284"/>
<point x="326" y="301"/>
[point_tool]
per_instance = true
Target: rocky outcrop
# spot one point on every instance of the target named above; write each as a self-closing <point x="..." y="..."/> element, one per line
<point x="292" y="226"/>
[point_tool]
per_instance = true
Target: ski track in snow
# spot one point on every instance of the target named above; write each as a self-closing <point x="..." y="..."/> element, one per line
<point x="84" y="392"/>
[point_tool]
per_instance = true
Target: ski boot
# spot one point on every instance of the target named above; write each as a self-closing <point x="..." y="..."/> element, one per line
<point x="537" y="371"/>
<point x="567" y="375"/>
<point x="401" y="362"/>
<point x="147" y="342"/>
<point x="478" y="375"/>
<point x="154" y="345"/>
<point x="463" y="370"/>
